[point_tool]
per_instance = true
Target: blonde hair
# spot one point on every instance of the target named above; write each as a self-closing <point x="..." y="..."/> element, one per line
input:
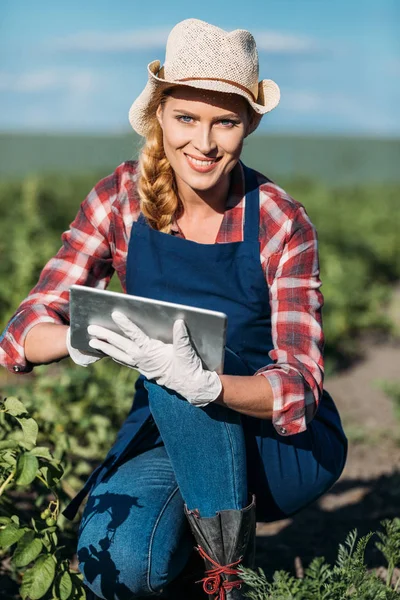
<point x="156" y="184"/>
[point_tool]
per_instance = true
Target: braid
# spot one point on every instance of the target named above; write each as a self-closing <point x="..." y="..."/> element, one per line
<point x="156" y="183"/>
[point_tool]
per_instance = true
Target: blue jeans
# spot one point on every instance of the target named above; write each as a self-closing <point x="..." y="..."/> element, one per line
<point x="134" y="538"/>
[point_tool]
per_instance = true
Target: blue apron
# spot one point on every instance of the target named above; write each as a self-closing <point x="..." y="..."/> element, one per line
<point x="229" y="278"/>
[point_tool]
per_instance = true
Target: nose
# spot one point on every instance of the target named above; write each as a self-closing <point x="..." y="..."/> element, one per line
<point x="203" y="139"/>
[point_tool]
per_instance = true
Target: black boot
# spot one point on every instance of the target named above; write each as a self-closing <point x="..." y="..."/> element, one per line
<point x="184" y="587"/>
<point x="225" y="542"/>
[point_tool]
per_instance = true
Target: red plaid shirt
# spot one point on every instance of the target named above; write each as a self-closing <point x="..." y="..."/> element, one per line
<point x="96" y="245"/>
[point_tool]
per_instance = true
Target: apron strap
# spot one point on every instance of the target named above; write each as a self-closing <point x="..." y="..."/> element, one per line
<point x="252" y="206"/>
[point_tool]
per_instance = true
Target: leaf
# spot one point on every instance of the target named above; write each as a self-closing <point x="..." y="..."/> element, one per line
<point x="64" y="586"/>
<point x="9" y="535"/>
<point x="5" y="520"/>
<point x="42" y="452"/>
<point x="47" y="543"/>
<point x="38" y="579"/>
<point x="7" y="458"/>
<point x="30" y="431"/>
<point x="28" y="549"/>
<point x="79" y="590"/>
<point x="8" y="444"/>
<point x="27" y="467"/>
<point x="14" y="406"/>
<point x="52" y="473"/>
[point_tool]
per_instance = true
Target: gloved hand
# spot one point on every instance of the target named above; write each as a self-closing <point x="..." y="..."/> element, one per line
<point x="176" y="366"/>
<point x="80" y="358"/>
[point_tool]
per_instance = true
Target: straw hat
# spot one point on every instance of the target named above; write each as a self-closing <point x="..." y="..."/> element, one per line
<point x="203" y="56"/>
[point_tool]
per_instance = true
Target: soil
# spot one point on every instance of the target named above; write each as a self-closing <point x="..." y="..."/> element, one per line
<point x="369" y="488"/>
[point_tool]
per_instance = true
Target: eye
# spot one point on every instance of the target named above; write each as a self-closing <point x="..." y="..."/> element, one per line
<point x="184" y="118"/>
<point x="228" y="123"/>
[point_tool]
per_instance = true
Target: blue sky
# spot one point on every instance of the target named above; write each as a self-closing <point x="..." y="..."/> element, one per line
<point x="76" y="66"/>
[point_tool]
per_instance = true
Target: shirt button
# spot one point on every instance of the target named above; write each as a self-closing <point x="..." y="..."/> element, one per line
<point x="16" y="369"/>
<point x="283" y="430"/>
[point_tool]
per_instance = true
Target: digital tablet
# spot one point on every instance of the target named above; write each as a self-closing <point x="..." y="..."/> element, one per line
<point x="90" y="306"/>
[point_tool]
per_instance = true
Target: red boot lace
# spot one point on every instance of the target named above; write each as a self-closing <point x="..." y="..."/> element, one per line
<point x="213" y="583"/>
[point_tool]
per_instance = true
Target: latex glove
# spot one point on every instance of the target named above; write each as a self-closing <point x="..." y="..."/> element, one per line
<point x="134" y="349"/>
<point x="176" y="366"/>
<point x="80" y="358"/>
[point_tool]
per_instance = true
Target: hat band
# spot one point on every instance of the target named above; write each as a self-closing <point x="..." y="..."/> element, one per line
<point x="238" y="85"/>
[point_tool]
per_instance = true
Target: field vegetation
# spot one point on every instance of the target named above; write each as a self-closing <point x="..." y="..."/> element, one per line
<point x="332" y="160"/>
<point x="57" y="424"/>
<point x="358" y="238"/>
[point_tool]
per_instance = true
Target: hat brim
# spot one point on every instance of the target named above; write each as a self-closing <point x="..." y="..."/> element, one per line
<point x="142" y="110"/>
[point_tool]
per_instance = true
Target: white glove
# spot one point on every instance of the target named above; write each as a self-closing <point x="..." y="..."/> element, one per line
<point x="80" y="358"/>
<point x="176" y="366"/>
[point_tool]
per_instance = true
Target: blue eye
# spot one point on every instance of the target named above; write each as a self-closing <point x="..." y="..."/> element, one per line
<point x="183" y="118"/>
<point x="225" y="122"/>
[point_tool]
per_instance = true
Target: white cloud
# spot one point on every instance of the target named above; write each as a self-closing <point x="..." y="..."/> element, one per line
<point x="125" y="41"/>
<point x="302" y="101"/>
<point x="329" y="103"/>
<point x="47" y="80"/>
<point x="275" y="42"/>
<point x="347" y="108"/>
<point x="156" y="38"/>
<point x="308" y="101"/>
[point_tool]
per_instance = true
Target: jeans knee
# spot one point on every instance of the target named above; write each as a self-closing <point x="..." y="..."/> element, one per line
<point x="121" y="574"/>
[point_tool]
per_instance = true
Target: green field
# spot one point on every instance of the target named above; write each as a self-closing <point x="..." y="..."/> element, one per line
<point x="351" y="191"/>
<point x="359" y="245"/>
<point x="331" y="160"/>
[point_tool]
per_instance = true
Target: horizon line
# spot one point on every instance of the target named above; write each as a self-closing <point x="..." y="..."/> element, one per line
<point x="258" y="134"/>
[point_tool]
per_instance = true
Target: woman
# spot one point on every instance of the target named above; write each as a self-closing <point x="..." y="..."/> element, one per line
<point x="190" y="223"/>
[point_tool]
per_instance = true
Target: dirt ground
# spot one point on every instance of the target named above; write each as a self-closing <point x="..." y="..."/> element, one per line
<point x="369" y="489"/>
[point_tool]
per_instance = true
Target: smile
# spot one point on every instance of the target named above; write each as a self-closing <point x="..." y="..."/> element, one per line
<point x="200" y="165"/>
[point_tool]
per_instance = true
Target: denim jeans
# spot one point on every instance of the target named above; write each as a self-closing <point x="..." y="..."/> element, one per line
<point x="134" y="538"/>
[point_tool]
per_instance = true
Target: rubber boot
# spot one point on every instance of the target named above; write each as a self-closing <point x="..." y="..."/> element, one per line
<point x="184" y="587"/>
<point x="225" y="542"/>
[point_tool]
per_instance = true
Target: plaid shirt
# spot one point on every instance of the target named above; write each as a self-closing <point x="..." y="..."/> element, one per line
<point x="96" y="245"/>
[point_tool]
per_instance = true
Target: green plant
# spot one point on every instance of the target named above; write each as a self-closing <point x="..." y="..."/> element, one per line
<point x="41" y="543"/>
<point x="71" y="416"/>
<point x="392" y="389"/>
<point x="348" y="578"/>
<point x="31" y="538"/>
<point x="49" y="444"/>
<point x="79" y="411"/>
<point x="359" y="247"/>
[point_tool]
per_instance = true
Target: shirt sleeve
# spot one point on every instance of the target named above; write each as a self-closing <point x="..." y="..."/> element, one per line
<point x="84" y="258"/>
<point x="296" y="375"/>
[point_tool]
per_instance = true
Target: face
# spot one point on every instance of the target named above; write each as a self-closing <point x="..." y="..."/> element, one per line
<point x="203" y="134"/>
